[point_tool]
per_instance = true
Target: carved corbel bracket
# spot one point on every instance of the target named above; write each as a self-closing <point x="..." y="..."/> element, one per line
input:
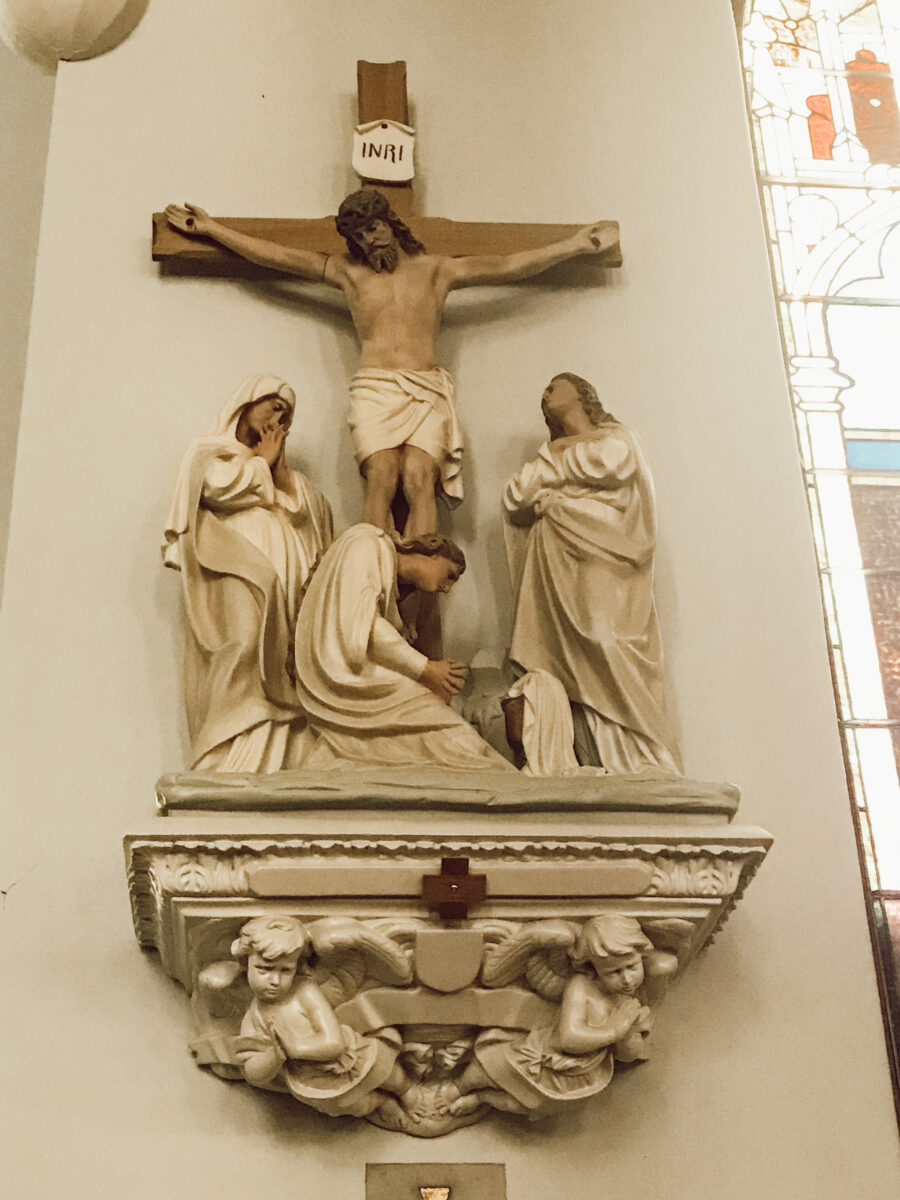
<point x="533" y="1001"/>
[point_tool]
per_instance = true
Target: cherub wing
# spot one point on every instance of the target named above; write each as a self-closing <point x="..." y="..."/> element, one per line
<point x="674" y="934"/>
<point x="495" y="930"/>
<point x="350" y="952"/>
<point x="672" y="939"/>
<point x="222" y="987"/>
<point x="220" y="982"/>
<point x="539" y="951"/>
<point x="400" y="931"/>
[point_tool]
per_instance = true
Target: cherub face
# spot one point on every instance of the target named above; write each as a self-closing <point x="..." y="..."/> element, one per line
<point x="620" y="976"/>
<point x="271" y="978"/>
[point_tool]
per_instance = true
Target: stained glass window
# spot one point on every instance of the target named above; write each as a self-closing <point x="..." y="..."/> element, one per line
<point x="826" y="129"/>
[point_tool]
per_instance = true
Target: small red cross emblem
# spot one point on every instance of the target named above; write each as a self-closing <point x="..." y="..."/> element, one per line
<point x="452" y="893"/>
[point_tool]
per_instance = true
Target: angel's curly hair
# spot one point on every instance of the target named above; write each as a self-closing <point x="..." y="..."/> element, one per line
<point x="272" y="937"/>
<point x="610" y="936"/>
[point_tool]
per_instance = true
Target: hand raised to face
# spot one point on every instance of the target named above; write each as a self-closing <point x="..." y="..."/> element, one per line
<point x="271" y="442"/>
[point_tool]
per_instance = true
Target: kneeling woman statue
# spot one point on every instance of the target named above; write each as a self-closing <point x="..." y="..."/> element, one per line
<point x="371" y="698"/>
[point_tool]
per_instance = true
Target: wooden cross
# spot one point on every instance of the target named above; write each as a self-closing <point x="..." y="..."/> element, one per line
<point x="452" y="893"/>
<point x="381" y="92"/>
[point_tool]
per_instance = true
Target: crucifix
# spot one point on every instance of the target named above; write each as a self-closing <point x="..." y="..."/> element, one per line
<point x="403" y="414"/>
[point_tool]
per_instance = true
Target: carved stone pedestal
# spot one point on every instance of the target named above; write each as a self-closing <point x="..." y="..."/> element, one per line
<point x="597" y="893"/>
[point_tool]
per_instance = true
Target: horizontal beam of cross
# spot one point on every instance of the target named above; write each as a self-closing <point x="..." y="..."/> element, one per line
<point x="439" y="235"/>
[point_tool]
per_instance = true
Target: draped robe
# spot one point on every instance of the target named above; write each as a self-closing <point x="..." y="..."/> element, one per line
<point x="581" y="533"/>
<point x="357" y="678"/>
<point x="245" y="550"/>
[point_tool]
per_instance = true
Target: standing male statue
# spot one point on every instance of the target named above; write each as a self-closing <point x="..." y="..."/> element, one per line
<point x="402" y="411"/>
<point x="581" y="535"/>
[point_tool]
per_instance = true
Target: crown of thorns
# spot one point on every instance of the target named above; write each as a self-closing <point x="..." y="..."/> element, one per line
<point x="359" y="208"/>
<point x="366" y="205"/>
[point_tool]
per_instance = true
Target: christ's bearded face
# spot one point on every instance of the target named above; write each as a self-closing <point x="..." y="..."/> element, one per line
<point x="378" y="242"/>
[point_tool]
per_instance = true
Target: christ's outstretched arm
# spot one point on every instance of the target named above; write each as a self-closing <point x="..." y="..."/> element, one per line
<point x="308" y="264"/>
<point x="479" y="269"/>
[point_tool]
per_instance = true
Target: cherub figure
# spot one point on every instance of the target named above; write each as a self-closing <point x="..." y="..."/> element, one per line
<point x="601" y="976"/>
<point x="290" y="1038"/>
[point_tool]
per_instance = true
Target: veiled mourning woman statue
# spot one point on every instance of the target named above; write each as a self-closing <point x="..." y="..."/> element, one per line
<point x="246" y="532"/>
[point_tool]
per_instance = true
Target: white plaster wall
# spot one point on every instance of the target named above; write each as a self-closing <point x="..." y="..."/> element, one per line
<point x="769" y="1076"/>
<point x="26" y="101"/>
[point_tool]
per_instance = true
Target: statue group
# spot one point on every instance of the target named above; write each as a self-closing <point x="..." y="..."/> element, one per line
<point x="308" y="651"/>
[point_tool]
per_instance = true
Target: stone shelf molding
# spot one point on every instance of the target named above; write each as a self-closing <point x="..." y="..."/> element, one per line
<point x="423" y="788"/>
<point x="315" y="968"/>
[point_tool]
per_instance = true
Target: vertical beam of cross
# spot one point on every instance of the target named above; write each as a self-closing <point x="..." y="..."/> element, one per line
<point x="382" y="96"/>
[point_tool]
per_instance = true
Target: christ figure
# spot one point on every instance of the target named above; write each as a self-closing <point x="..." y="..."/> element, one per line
<point x="402" y="411"/>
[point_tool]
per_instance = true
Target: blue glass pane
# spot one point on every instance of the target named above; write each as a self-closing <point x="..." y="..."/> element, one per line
<point x="873" y="456"/>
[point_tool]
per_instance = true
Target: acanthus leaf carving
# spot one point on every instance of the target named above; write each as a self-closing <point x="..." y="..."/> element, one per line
<point x="703" y="876"/>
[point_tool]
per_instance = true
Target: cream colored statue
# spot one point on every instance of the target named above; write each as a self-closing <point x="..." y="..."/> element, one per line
<point x="402" y="410"/>
<point x="547" y="736"/>
<point x="290" y="1039"/>
<point x="581" y="535"/>
<point x="245" y="531"/>
<point x="604" y="1017"/>
<point x="369" y="696"/>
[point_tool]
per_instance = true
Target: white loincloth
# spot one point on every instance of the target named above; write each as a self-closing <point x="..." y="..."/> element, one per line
<point x="409" y="408"/>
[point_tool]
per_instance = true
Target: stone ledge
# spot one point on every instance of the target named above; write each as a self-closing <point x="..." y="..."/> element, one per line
<point x="410" y="788"/>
